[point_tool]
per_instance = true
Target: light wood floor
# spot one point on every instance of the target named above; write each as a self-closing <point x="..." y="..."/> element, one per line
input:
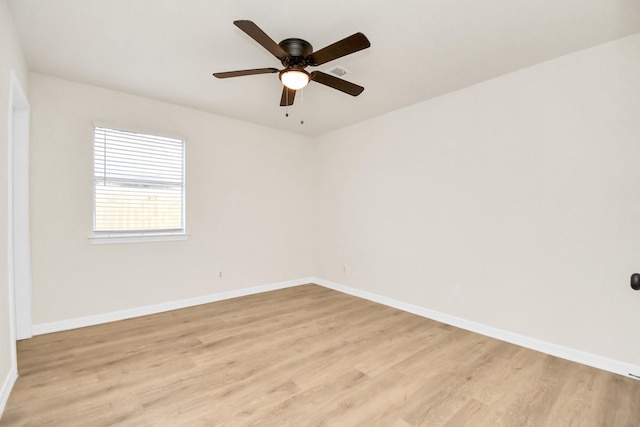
<point x="304" y="356"/>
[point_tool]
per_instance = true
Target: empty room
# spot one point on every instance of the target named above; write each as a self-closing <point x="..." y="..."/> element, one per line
<point x="365" y="213"/>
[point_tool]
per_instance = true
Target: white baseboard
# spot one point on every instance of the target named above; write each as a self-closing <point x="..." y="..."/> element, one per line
<point x="7" y="386"/>
<point x="567" y="353"/>
<point x="81" y="322"/>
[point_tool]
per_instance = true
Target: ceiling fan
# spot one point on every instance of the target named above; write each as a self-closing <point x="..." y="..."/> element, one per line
<point x="297" y="54"/>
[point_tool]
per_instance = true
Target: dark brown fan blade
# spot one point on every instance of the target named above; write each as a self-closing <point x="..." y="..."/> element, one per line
<point x="288" y="95"/>
<point x="346" y="46"/>
<point x="245" y="72"/>
<point x="336" y="83"/>
<point x="261" y="37"/>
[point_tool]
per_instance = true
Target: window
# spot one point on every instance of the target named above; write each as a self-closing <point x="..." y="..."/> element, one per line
<point x="139" y="189"/>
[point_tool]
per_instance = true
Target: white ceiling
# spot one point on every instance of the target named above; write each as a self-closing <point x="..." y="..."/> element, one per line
<point x="167" y="49"/>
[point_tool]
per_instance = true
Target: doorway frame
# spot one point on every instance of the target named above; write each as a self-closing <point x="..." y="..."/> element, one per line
<point x="18" y="233"/>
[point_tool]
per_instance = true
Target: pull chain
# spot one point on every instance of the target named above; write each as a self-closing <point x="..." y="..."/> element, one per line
<point x="286" y="96"/>
<point x="301" y="106"/>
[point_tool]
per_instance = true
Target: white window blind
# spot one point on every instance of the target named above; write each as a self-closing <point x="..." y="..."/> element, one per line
<point x="138" y="183"/>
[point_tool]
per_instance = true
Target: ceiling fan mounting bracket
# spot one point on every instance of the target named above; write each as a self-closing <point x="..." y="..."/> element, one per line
<point x="298" y="51"/>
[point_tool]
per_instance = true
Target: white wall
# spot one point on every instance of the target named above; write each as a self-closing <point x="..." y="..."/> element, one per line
<point x="249" y="199"/>
<point x="11" y="58"/>
<point x="521" y="193"/>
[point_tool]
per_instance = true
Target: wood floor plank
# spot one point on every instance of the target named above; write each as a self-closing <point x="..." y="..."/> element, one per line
<point x="303" y="356"/>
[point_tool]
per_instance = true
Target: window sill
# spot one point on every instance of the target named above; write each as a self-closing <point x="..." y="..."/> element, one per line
<point x="106" y="239"/>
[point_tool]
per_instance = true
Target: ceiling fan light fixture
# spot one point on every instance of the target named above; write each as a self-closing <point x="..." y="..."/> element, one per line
<point x="295" y="79"/>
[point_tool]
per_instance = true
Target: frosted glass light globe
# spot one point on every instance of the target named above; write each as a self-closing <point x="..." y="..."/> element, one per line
<point x="295" y="79"/>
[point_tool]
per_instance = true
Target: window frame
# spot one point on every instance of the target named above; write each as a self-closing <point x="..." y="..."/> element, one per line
<point x="137" y="236"/>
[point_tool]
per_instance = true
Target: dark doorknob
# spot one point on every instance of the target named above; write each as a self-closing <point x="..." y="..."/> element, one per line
<point x="635" y="281"/>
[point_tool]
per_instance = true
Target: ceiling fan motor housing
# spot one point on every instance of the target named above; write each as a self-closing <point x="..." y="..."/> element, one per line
<point x="298" y="51"/>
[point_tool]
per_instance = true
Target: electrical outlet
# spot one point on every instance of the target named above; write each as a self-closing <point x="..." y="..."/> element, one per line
<point x="219" y="274"/>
